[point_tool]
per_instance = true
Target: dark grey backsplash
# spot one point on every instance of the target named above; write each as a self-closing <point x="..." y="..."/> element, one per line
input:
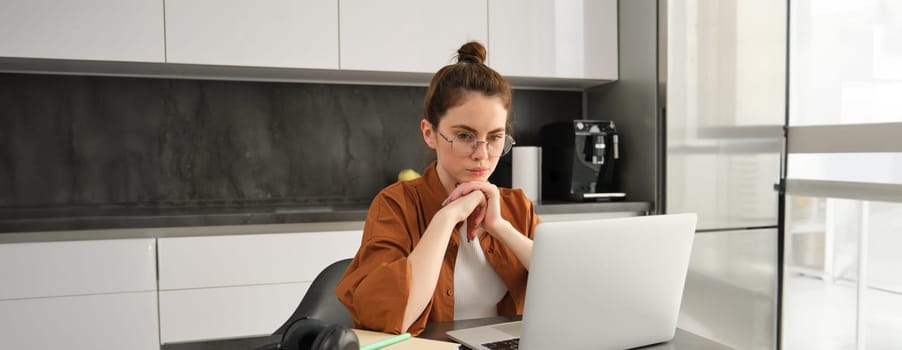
<point x="74" y="141"/>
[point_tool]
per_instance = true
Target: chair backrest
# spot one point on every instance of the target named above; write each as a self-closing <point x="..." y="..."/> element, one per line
<point x="320" y="301"/>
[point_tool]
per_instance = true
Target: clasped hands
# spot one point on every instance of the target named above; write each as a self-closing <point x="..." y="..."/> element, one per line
<point x="477" y="203"/>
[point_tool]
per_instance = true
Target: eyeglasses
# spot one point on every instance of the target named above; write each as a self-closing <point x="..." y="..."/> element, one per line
<point x="465" y="143"/>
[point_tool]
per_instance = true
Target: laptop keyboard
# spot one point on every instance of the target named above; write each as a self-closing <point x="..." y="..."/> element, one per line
<point x="510" y="344"/>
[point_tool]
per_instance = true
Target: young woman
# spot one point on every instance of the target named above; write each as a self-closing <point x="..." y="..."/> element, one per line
<point x="449" y="245"/>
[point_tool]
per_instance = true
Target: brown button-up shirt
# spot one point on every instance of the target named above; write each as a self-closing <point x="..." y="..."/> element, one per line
<point x="376" y="285"/>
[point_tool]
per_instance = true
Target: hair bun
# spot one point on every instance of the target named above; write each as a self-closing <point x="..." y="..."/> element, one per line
<point x="472" y="52"/>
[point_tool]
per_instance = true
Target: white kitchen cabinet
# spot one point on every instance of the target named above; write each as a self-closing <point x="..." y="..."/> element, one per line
<point x="85" y="322"/>
<point x="47" y="269"/>
<point x="240" y="285"/>
<point x="227" y="312"/>
<point x="97" y="294"/>
<point x="408" y="35"/>
<point x="272" y="33"/>
<point x="105" y="30"/>
<point x="574" y="39"/>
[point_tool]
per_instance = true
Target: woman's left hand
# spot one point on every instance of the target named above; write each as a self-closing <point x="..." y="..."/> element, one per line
<point x="488" y="217"/>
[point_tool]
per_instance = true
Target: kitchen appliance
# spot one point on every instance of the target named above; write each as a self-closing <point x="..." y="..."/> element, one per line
<point x="579" y="161"/>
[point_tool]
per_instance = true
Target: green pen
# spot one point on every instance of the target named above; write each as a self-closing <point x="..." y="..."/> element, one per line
<point x="386" y="342"/>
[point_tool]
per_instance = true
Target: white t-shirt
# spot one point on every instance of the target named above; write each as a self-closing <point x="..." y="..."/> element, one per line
<point x="477" y="288"/>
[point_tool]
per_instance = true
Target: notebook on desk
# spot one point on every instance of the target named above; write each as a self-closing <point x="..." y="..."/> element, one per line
<point x="366" y="337"/>
<point x="598" y="284"/>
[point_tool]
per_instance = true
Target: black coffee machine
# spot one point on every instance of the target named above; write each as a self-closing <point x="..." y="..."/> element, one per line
<point x="579" y="161"/>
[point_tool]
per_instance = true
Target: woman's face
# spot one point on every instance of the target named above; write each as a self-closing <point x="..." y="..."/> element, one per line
<point x="478" y="118"/>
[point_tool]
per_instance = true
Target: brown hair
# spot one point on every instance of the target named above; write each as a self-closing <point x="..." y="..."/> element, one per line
<point x="452" y="82"/>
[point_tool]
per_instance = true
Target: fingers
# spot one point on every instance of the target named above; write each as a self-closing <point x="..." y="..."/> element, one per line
<point x="474" y="221"/>
<point x="487" y="188"/>
<point x="476" y="213"/>
<point x="490" y="217"/>
<point x="466" y="188"/>
<point x="478" y="217"/>
<point x="464" y="206"/>
<point x="456" y="193"/>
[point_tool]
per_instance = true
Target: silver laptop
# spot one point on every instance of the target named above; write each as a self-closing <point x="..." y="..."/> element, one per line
<point x="599" y="284"/>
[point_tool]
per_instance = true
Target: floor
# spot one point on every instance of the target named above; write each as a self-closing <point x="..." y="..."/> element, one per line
<point x="821" y="315"/>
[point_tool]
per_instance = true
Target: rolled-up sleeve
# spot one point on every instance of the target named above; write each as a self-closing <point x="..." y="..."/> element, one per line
<point x="376" y="286"/>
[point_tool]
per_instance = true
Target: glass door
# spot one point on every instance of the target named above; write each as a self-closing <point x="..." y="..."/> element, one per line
<point x="842" y="271"/>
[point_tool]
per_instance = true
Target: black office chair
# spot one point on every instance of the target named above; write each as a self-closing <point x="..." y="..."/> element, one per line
<point x="320" y="301"/>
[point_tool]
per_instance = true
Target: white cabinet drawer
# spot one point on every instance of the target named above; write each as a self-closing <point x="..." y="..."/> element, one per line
<point x="586" y="216"/>
<point x="272" y="33"/>
<point x="88" y="322"/>
<point x="30" y="270"/>
<point x="408" y="35"/>
<point x="559" y="39"/>
<point x="214" y="313"/>
<point x="217" y="261"/>
<point x="106" y="30"/>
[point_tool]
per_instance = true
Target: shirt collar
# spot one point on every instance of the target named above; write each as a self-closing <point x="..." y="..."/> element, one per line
<point x="433" y="189"/>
